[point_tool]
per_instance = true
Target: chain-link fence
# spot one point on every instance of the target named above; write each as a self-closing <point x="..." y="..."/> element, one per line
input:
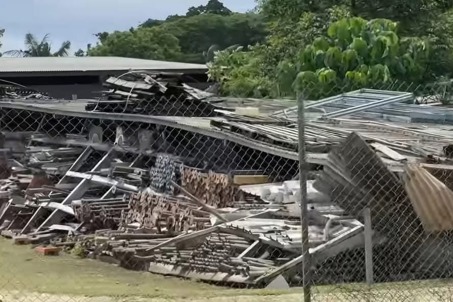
<point x="165" y="183"/>
<point x="390" y="175"/>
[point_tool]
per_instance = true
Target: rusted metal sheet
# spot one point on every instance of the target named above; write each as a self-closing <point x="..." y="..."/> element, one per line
<point x="431" y="198"/>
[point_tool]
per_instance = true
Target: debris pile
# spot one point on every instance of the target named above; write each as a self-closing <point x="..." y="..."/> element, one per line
<point x="152" y="94"/>
<point x="174" y="212"/>
<point x="152" y="212"/>
<point x="10" y="90"/>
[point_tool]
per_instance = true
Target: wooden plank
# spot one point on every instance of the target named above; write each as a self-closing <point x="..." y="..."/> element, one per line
<point x="388" y="152"/>
<point x="250" y="179"/>
<point x="199" y="202"/>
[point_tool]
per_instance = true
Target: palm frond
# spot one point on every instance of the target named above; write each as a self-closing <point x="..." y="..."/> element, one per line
<point x="64" y="49"/>
<point x="15" y="53"/>
<point x="44" y="50"/>
<point x="31" y="42"/>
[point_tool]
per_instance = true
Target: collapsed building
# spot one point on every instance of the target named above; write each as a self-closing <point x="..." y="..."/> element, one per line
<point x="159" y="176"/>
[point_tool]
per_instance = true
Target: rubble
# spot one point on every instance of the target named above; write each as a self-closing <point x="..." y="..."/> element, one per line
<point x="164" y="217"/>
<point x="147" y="93"/>
<point x="197" y="205"/>
<point x="10" y="90"/>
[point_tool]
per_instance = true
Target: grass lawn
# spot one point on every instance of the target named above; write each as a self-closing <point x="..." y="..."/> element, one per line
<point x="28" y="277"/>
<point x="21" y="269"/>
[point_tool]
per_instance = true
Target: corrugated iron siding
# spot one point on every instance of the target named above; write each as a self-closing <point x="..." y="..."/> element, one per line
<point x="431" y="198"/>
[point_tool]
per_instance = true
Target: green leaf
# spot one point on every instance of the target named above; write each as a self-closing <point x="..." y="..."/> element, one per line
<point x="357" y="25"/>
<point x="333" y="57"/>
<point x="360" y="46"/>
<point x="326" y="75"/>
<point x="319" y="59"/>
<point x="379" y="73"/>
<point x="350" y="59"/>
<point x="357" y="77"/>
<point x="340" y="31"/>
<point x="321" y="43"/>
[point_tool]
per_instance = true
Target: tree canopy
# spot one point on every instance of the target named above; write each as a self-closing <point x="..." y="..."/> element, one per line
<point x="146" y="43"/>
<point x="203" y="29"/>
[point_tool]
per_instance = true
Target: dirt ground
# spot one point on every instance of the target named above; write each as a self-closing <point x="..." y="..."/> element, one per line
<point x="28" y="277"/>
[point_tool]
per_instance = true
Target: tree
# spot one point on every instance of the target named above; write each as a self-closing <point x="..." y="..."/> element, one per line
<point x="151" y="23"/>
<point x="79" y="53"/>
<point x="35" y="48"/>
<point x="210" y="25"/>
<point x="83" y="53"/>
<point x="102" y="36"/>
<point x="198" y="33"/>
<point x="212" y="7"/>
<point x="239" y="73"/>
<point x="349" y="53"/>
<point x="294" y="25"/>
<point x="146" y="43"/>
<point x="262" y="62"/>
<point x="357" y="53"/>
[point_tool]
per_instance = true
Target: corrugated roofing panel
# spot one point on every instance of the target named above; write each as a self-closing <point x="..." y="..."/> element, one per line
<point x="67" y="64"/>
<point x="432" y="200"/>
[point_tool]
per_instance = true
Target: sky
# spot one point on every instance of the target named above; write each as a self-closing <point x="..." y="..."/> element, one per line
<point x="78" y="20"/>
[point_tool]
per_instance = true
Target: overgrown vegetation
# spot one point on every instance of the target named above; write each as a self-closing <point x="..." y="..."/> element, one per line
<point x="317" y="46"/>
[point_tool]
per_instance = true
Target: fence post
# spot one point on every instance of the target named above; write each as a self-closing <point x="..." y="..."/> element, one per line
<point x="306" y="263"/>
<point x="368" y="233"/>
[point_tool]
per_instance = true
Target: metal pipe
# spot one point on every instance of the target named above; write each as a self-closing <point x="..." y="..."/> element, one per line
<point x="304" y="200"/>
<point x="355" y="109"/>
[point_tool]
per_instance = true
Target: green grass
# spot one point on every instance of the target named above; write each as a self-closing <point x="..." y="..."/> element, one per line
<point x="25" y="275"/>
<point x="21" y="268"/>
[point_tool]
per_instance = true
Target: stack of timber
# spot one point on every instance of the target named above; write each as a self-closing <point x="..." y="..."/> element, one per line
<point x="152" y="94"/>
<point x="98" y="214"/>
<point x="165" y="214"/>
<point x="214" y="189"/>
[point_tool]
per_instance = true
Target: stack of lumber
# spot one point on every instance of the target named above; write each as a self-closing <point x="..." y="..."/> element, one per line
<point x="100" y="213"/>
<point x="214" y="189"/>
<point x="165" y="214"/>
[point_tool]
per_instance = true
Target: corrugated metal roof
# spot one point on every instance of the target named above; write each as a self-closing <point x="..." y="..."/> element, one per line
<point x="432" y="200"/>
<point x="68" y="64"/>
